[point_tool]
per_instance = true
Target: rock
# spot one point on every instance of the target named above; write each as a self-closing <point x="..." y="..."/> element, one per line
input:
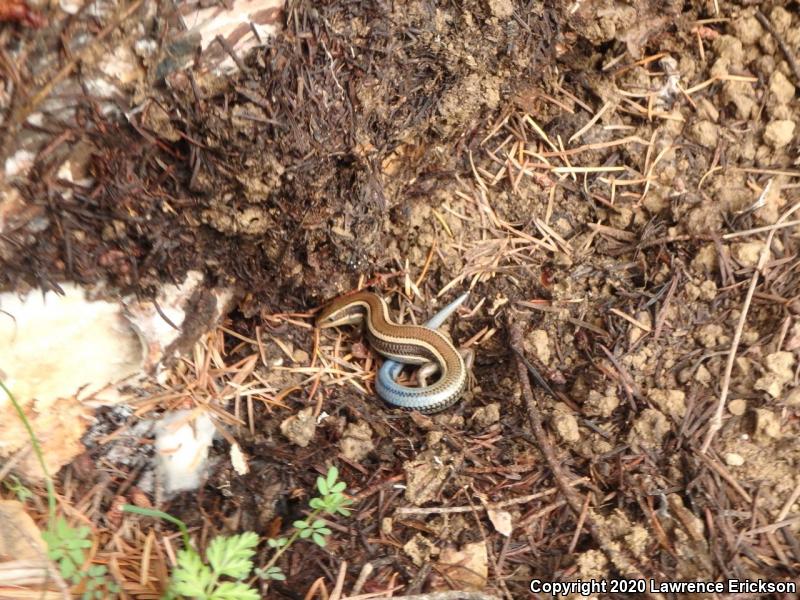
<point x="741" y="95"/>
<point x="387" y="524"/>
<point x="710" y="335"/>
<point x="706" y="259"/>
<point x="702" y="375"/>
<point x="300" y="357"/>
<point x="734" y="460"/>
<point x="769" y="383"/>
<point x="737" y="407"/>
<point x="432" y="438"/>
<point x="708" y="290"/>
<point x="501" y="520"/>
<point x="779" y="133"/>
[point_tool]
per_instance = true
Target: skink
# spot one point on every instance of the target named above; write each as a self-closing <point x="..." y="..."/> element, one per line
<point x="406" y="344"/>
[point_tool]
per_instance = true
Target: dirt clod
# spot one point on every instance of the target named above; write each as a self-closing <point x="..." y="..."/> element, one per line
<point x="356" y="443"/>
<point x="779" y="133"/>
<point x="768" y="425"/>
<point x="566" y="424"/>
<point x="300" y="428"/>
<point x="648" y="430"/>
<point x="426" y="474"/>
<point x="486" y="416"/>
<point x="670" y="402"/>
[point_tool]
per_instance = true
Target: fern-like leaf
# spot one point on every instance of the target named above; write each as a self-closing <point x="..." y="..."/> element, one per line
<point x="230" y="590"/>
<point x="191" y="577"/>
<point x="231" y="555"/>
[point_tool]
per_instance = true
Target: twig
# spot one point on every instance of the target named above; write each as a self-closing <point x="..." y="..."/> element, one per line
<point x="787" y="52"/>
<point x="716" y="420"/>
<point x="611" y="549"/>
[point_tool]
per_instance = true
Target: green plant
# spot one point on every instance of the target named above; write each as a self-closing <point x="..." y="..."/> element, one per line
<point x="231" y="556"/>
<point x="227" y="556"/>
<point x="66" y="545"/>
<point x="331" y="501"/>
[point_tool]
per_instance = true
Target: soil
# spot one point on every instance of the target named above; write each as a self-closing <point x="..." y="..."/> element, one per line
<point x="576" y="166"/>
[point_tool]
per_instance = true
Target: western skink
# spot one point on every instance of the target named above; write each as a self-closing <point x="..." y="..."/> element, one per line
<point x="405" y="344"/>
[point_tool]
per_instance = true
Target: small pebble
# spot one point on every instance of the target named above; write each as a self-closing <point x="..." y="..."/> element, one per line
<point x="737" y="407"/>
<point x="734" y="460"/>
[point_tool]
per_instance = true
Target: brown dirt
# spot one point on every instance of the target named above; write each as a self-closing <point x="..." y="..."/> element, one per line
<point x="364" y="141"/>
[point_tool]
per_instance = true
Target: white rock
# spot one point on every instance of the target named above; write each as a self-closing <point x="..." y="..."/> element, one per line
<point x="734" y="460"/>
